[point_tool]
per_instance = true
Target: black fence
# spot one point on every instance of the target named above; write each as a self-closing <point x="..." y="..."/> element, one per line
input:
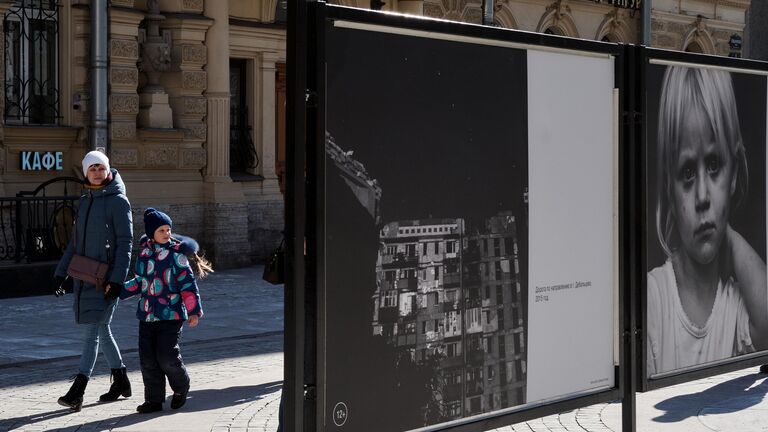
<point x="36" y="226"/>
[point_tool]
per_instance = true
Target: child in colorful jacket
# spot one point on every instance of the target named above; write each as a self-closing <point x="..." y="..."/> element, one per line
<point x="169" y="296"/>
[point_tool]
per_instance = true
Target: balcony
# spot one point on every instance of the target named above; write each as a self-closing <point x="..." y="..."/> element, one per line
<point x="409" y="284"/>
<point x="451" y="280"/>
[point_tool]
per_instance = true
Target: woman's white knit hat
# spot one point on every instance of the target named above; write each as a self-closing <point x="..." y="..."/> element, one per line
<point x="93" y="158"/>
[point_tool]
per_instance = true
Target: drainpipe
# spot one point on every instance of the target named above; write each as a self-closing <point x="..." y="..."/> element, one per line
<point x="488" y="12"/>
<point x="647" y="23"/>
<point x="97" y="138"/>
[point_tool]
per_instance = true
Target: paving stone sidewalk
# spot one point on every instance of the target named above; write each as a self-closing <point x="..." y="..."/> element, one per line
<point x="235" y="360"/>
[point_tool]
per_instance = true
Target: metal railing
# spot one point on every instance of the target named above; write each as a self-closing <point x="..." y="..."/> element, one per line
<point x="35" y="226"/>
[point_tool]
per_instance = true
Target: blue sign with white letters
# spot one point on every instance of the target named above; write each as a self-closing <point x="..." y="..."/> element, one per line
<point x="42" y="161"/>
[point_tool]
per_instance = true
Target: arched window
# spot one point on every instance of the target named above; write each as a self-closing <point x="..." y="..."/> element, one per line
<point x="694" y="47"/>
<point x="554" y="31"/>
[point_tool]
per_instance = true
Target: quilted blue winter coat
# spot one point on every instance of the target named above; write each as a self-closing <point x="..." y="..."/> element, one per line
<point x="103" y="231"/>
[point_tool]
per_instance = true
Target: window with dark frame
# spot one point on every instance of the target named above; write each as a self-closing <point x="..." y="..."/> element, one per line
<point x="31" y="30"/>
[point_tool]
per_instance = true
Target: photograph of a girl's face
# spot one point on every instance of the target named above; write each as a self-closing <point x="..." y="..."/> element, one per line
<point x="707" y="296"/>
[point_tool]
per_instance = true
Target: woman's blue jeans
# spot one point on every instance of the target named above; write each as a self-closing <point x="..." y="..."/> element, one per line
<point x="93" y="335"/>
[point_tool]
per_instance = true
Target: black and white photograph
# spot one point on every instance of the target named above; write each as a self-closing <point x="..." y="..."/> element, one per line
<point x="707" y="295"/>
<point x="426" y="230"/>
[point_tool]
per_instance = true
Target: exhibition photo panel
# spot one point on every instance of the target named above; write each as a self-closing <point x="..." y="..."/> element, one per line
<point x="706" y="290"/>
<point x="470" y="227"/>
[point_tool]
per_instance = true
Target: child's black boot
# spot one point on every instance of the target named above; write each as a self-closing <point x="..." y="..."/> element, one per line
<point x="120" y="386"/>
<point x="149" y="407"/>
<point x="74" y="397"/>
<point x="178" y="400"/>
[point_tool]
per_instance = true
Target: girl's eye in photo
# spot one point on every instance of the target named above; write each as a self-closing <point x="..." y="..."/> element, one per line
<point x="713" y="165"/>
<point x="687" y="173"/>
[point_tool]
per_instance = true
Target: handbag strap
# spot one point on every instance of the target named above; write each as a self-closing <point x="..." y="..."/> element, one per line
<point x="85" y="231"/>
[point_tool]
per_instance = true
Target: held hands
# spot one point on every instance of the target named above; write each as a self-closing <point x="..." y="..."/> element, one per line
<point x="193" y="320"/>
<point x="112" y="291"/>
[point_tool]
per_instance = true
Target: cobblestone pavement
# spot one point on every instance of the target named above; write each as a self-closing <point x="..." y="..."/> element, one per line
<point x="236" y="365"/>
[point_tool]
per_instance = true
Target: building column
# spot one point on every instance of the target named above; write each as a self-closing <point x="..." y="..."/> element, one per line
<point x="226" y="210"/>
<point x="123" y="82"/>
<point x="267" y="135"/>
<point x="217" y="41"/>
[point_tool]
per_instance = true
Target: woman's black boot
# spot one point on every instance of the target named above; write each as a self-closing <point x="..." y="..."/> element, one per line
<point x="120" y="386"/>
<point x="74" y="397"/>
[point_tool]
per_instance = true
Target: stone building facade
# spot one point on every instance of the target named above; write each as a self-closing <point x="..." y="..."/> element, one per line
<point x="196" y="97"/>
<point x="704" y="26"/>
<point x="196" y="93"/>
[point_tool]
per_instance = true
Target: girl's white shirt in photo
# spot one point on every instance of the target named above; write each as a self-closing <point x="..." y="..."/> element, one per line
<point x="674" y="342"/>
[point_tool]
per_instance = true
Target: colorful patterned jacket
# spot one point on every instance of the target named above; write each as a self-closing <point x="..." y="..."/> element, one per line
<point x="165" y="281"/>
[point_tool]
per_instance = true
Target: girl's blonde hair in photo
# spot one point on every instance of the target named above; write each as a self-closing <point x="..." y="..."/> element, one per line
<point x="686" y="89"/>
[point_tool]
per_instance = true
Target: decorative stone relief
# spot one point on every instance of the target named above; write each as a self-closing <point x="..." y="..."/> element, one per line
<point x="155" y="49"/>
<point x="127" y="76"/>
<point x="121" y="157"/>
<point x="196" y="131"/>
<point x="122" y="130"/>
<point x="124" y="104"/>
<point x="194" y="80"/>
<point x="124" y="3"/>
<point x="124" y="48"/>
<point x="193" y="158"/>
<point x="195" y="105"/>
<point x="193" y="54"/>
<point x="161" y="157"/>
<point x="193" y="5"/>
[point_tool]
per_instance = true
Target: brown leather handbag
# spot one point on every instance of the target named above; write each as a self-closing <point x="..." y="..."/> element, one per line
<point x="88" y="270"/>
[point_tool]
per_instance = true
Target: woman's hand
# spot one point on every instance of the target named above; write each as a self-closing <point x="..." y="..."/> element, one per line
<point x="193" y="320"/>
<point x="112" y="291"/>
<point x="58" y="286"/>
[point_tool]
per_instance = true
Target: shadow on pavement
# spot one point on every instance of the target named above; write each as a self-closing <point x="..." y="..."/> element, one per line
<point x="19" y="422"/>
<point x="728" y="397"/>
<point x="201" y="400"/>
<point x="28" y="373"/>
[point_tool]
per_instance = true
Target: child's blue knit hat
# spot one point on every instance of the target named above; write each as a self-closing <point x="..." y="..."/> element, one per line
<point x="154" y="219"/>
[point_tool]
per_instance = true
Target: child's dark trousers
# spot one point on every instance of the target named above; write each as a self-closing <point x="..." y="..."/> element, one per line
<point x="160" y="357"/>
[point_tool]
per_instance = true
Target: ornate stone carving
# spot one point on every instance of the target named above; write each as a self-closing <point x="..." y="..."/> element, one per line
<point x="122" y="130"/>
<point x="196" y="131"/>
<point x="122" y="157"/>
<point x="155" y="49"/>
<point x="127" y="76"/>
<point x="193" y="5"/>
<point x="124" y="103"/>
<point x="161" y="156"/>
<point x="128" y="49"/>
<point x="194" y="80"/>
<point x="193" y="158"/>
<point x="195" y="105"/>
<point x="193" y="54"/>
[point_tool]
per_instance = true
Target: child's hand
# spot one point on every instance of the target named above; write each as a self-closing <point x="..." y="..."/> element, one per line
<point x="193" y="320"/>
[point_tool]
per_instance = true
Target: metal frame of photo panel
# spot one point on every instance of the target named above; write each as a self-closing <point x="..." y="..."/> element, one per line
<point x="644" y="58"/>
<point x="304" y="385"/>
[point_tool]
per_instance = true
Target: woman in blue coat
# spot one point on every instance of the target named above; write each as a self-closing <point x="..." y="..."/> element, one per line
<point x="103" y="231"/>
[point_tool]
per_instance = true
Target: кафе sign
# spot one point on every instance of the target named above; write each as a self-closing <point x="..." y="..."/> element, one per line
<point x="41" y="161"/>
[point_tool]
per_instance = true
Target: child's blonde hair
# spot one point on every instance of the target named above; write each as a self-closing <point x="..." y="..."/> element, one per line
<point x="685" y="89"/>
<point x="200" y="266"/>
